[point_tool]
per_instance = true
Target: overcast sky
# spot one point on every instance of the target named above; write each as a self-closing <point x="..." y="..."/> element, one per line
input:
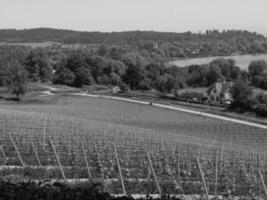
<point x="120" y="15"/>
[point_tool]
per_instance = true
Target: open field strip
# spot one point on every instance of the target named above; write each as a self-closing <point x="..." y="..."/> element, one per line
<point x="178" y="109"/>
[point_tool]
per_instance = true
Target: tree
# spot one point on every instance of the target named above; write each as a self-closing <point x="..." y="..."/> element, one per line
<point x="197" y="75"/>
<point x="214" y="74"/>
<point x="243" y="76"/>
<point x="83" y="76"/>
<point x="77" y="70"/>
<point x="15" y="78"/>
<point x="115" y="79"/>
<point x="134" y="75"/>
<point x="256" y="68"/>
<point x="154" y="72"/>
<point x="64" y="76"/>
<point x="38" y="66"/>
<point x="227" y="67"/>
<point x="241" y="94"/>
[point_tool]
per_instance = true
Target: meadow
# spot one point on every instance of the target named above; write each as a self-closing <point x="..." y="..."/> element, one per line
<point x="134" y="149"/>
<point x="242" y="61"/>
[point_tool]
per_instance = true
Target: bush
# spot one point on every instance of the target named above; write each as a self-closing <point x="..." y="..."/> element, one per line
<point x="124" y="87"/>
<point x="64" y="76"/>
<point x="261" y="110"/>
<point x="199" y="97"/>
<point x="48" y="190"/>
<point x="241" y="94"/>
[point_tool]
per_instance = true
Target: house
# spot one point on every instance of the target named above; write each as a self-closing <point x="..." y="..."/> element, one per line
<point x="219" y="92"/>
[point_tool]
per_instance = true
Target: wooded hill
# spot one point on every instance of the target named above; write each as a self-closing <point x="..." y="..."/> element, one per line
<point x="173" y="45"/>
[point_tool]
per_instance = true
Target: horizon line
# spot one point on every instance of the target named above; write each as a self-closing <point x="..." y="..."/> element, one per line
<point x="135" y="30"/>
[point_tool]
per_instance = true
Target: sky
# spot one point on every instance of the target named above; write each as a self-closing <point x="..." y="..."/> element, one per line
<point x="123" y="15"/>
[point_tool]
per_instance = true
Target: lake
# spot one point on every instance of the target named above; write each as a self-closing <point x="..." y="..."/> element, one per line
<point x="241" y="60"/>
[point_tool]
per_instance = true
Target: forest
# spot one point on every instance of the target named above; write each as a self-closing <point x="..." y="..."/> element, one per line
<point x="168" y="45"/>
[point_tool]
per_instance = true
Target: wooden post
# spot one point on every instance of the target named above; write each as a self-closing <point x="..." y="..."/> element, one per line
<point x="263" y="183"/>
<point x="44" y="133"/>
<point x="259" y="169"/>
<point x="221" y="162"/>
<point x="202" y="179"/>
<point x="16" y="149"/>
<point x="148" y="178"/>
<point x="55" y="152"/>
<point x="119" y="167"/>
<point x="3" y="153"/>
<point x="153" y="172"/>
<point x="216" y="173"/>
<point x="261" y="179"/>
<point x="178" y="166"/>
<point x="87" y="164"/>
<point x="35" y="152"/>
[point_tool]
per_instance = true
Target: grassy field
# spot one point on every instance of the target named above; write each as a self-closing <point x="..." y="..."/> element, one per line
<point x="242" y="61"/>
<point x="69" y="130"/>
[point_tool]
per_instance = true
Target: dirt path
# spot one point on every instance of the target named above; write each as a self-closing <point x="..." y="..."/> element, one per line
<point x="50" y="88"/>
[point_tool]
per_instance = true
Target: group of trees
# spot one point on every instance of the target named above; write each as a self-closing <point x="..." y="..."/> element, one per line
<point x="37" y="63"/>
<point x="218" y="69"/>
<point x="245" y="100"/>
<point x="242" y="91"/>
<point x="258" y="73"/>
<point x="118" y="66"/>
<point x="19" y="65"/>
<point x="14" y="76"/>
<point x="79" y="69"/>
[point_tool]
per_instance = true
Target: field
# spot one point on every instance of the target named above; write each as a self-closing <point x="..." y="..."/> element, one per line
<point x="30" y="44"/>
<point x="134" y="149"/>
<point x="242" y="61"/>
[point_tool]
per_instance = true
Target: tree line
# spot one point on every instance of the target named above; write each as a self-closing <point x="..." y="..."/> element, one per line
<point x="168" y="45"/>
<point x="116" y="67"/>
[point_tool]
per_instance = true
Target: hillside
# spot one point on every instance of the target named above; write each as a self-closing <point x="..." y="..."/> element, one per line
<point x="60" y="35"/>
<point x="171" y="45"/>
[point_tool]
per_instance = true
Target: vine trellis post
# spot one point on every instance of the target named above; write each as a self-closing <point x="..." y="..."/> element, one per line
<point x="3" y="154"/>
<point x="16" y="149"/>
<point x="202" y="179"/>
<point x="261" y="178"/>
<point x="86" y="162"/>
<point x="55" y="152"/>
<point x="153" y="172"/>
<point x="216" y="173"/>
<point x="119" y="168"/>
<point x="35" y="152"/>
<point x="44" y="132"/>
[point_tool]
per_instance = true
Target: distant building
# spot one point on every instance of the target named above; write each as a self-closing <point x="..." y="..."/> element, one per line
<point x="219" y="93"/>
<point x="155" y="45"/>
<point x="116" y="89"/>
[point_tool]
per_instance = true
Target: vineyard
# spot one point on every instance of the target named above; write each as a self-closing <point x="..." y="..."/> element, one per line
<point x="133" y="149"/>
